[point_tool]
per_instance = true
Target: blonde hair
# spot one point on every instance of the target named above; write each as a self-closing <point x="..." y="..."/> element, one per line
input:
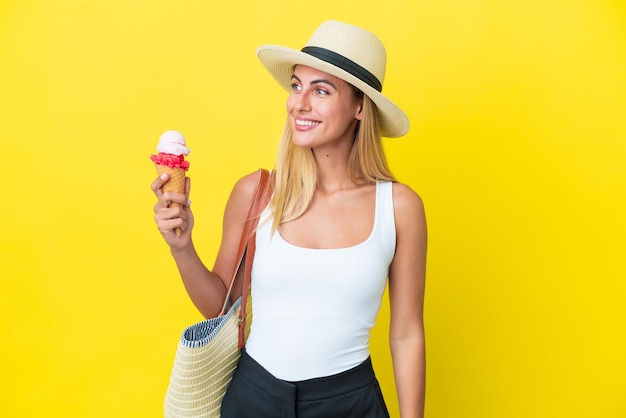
<point x="296" y="171"/>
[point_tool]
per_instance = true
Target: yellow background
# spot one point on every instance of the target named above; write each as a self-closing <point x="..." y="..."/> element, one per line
<point x="517" y="146"/>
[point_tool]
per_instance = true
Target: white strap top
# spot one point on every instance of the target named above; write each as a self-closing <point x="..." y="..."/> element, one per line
<point x="313" y="309"/>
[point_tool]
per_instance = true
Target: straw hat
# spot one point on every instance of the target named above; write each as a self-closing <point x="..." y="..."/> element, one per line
<point x="347" y="52"/>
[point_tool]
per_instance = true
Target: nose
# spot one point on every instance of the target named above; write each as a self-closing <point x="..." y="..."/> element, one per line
<point x="302" y="102"/>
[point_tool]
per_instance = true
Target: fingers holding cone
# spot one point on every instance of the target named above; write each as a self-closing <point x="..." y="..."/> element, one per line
<point x="176" y="183"/>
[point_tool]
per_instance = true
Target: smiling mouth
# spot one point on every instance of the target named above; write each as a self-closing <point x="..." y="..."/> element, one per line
<point x="300" y="122"/>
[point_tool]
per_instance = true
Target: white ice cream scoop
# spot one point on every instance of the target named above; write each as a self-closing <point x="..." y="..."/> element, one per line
<point x="173" y="142"/>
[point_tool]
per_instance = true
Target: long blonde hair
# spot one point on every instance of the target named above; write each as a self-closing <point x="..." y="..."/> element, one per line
<point x="296" y="171"/>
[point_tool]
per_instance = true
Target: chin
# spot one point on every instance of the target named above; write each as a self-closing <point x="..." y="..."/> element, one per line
<point x="303" y="141"/>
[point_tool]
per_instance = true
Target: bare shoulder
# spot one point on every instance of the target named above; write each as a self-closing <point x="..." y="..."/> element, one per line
<point x="411" y="239"/>
<point x="407" y="204"/>
<point x="235" y="216"/>
<point x="246" y="186"/>
<point x="242" y="195"/>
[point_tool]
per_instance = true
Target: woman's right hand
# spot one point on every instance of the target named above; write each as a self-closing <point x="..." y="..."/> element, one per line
<point x="172" y="211"/>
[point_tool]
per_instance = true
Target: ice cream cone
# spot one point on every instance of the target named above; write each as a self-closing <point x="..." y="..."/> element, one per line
<point x="171" y="160"/>
<point x="176" y="183"/>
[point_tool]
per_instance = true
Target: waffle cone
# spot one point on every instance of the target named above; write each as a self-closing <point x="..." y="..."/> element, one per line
<point x="176" y="183"/>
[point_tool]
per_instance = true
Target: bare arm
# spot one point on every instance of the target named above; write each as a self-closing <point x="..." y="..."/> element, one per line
<point x="406" y="293"/>
<point x="206" y="288"/>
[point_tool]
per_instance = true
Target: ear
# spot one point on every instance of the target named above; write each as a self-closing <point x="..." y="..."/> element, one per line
<point x="359" y="111"/>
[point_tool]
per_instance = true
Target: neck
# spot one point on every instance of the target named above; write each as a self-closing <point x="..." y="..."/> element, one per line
<point x="333" y="173"/>
<point x="332" y="162"/>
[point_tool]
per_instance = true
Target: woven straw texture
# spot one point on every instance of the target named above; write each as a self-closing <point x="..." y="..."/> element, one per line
<point x="205" y="361"/>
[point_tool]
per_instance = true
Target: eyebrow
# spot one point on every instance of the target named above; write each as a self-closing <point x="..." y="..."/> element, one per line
<point x="321" y="80"/>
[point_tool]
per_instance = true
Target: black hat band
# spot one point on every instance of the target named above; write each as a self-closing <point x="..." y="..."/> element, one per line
<point x="345" y="64"/>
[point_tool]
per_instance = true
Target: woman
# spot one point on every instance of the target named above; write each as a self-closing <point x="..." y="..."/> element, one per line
<point x="337" y="226"/>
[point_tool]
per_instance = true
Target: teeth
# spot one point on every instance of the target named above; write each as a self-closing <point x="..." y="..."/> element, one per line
<point x="306" y="122"/>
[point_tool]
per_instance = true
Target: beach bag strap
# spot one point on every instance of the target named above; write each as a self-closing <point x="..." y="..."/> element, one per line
<point x="247" y="246"/>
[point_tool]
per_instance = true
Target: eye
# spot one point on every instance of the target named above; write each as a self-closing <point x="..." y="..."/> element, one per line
<point x="321" y="92"/>
<point x="296" y="87"/>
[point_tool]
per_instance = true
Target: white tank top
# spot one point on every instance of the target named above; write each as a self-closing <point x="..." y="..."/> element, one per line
<point x="313" y="309"/>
